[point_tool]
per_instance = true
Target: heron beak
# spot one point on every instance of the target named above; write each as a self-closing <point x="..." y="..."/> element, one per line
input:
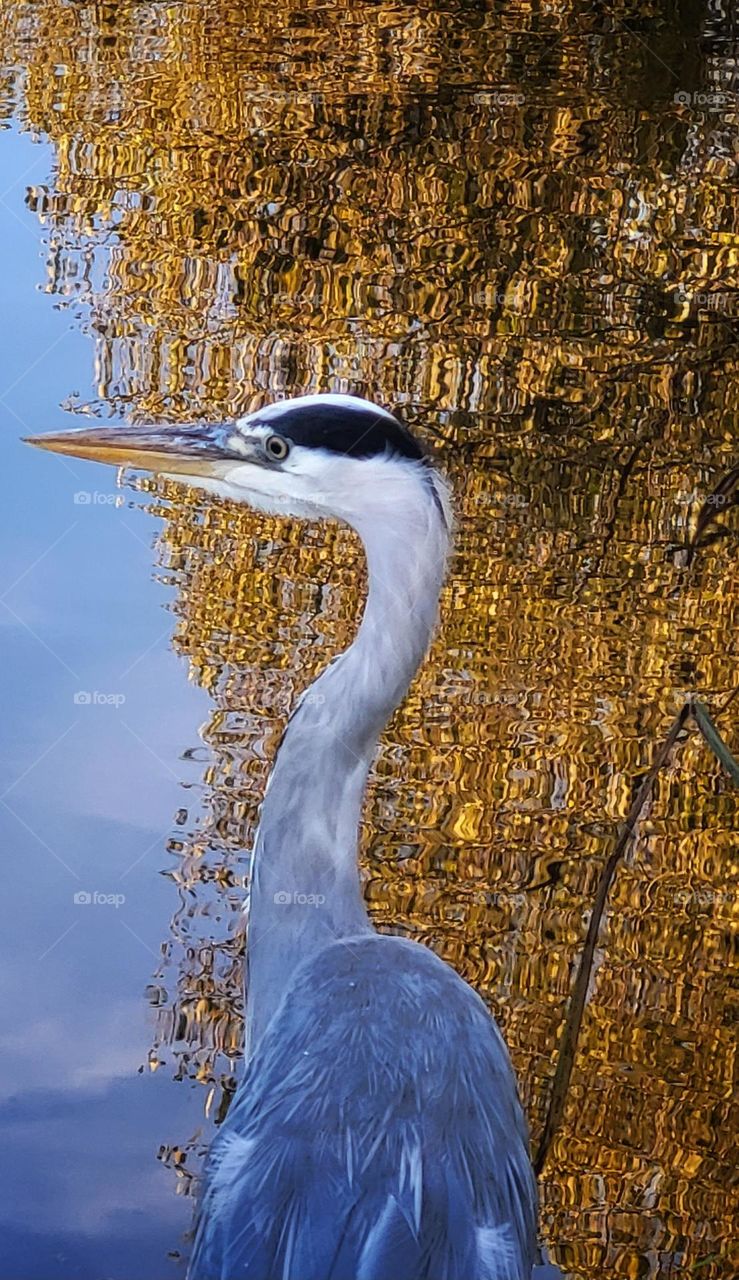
<point x="188" y="451"/>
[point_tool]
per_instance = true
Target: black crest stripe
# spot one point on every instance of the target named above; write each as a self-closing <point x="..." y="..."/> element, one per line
<point x="357" y="433"/>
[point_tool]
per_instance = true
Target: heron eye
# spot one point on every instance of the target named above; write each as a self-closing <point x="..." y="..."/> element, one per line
<point x="277" y="447"/>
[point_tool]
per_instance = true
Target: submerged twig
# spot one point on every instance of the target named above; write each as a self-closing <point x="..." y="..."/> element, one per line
<point x="714" y="739"/>
<point x="724" y="495"/>
<point x="696" y="710"/>
<point x="571" y="1031"/>
<point x="727" y="701"/>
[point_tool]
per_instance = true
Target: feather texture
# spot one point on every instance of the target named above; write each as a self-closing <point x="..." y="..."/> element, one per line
<point x="377" y="1134"/>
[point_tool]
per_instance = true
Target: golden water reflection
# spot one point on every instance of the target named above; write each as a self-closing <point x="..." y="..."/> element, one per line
<point x="518" y="225"/>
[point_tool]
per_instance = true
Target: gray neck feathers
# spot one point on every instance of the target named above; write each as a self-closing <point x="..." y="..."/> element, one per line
<point x="304" y="889"/>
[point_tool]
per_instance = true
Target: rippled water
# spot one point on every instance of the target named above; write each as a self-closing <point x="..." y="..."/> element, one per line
<point x="518" y="225"/>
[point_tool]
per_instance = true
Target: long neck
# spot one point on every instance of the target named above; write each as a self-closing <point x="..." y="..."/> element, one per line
<point x="305" y="890"/>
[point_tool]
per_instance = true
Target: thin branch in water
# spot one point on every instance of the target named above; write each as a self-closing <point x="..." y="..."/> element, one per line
<point x="571" y="1031"/>
<point x="723" y="496"/>
<point x="728" y="701"/>
<point x="693" y="709"/>
<point x="714" y="739"/>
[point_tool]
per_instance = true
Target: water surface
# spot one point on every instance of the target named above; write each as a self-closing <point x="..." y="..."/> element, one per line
<point x="517" y="225"/>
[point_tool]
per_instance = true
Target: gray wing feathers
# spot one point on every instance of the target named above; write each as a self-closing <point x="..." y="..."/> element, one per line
<point x="391" y="1247"/>
<point x="377" y="1133"/>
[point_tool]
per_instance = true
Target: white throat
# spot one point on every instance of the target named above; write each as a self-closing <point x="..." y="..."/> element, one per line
<point x="304" y="888"/>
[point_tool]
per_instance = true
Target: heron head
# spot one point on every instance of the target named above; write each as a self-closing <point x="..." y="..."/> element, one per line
<point x="312" y="456"/>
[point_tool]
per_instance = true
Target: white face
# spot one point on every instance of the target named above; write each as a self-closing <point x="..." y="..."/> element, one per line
<point x="309" y="482"/>
<point x="280" y="477"/>
<point x="302" y="483"/>
<point x="254" y="462"/>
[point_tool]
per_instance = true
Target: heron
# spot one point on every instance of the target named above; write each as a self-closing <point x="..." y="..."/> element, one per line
<point x="377" y="1132"/>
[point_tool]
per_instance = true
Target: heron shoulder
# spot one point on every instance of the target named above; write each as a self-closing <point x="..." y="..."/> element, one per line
<point x="382" y="1020"/>
<point x="392" y="980"/>
<point x="380" y="1113"/>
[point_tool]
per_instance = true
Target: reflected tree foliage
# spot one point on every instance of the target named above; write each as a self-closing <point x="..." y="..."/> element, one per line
<point x="518" y="224"/>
